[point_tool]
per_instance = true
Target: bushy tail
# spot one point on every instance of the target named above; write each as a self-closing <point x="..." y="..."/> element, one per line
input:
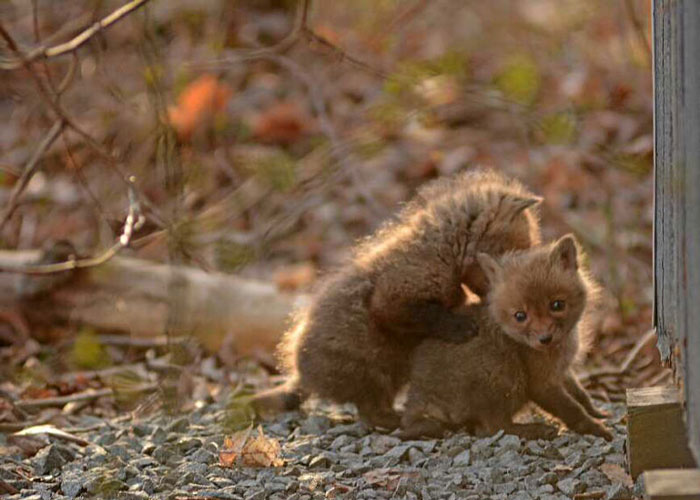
<point x="285" y="397"/>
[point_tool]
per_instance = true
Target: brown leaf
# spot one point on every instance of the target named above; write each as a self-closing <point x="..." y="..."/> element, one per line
<point x="388" y="478"/>
<point x="232" y="447"/>
<point x="282" y="123"/>
<point x="617" y="474"/>
<point x="197" y="104"/>
<point x="262" y="451"/>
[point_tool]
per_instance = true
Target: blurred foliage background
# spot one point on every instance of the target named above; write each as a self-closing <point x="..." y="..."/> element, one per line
<point x="272" y="163"/>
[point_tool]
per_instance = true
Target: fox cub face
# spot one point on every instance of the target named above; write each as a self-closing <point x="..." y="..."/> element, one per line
<point x="537" y="296"/>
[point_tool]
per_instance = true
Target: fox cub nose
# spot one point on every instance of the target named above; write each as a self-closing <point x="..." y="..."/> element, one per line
<point x="545" y="339"/>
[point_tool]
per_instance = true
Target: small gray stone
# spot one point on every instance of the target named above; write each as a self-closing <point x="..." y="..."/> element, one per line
<point x="599" y="449"/>
<point x="490" y="474"/>
<point x="509" y="442"/>
<point x="256" y="495"/>
<point x="520" y="495"/>
<point x="187" y="444"/>
<point x="71" y="486"/>
<point x="533" y="448"/>
<point x="415" y="456"/>
<point x="106" y="438"/>
<point x="179" y="425"/>
<point x="382" y="443"/>
<point x="548" y="478"/>
<point x="141" y="429"/>
<point x="119" y="451"/>
<point x="546" y="488"/>
<point x="398" y="452"/>
<point x="132" y="495"/>
<point x="48" y="459"/>
<point x="341" y="442"/>
<point x="159" y="436"/>
<point x="574" y="459"/>
<point x="505" y="488"/>
<point x="163" y="454"/>
<point x="616" y="458"/>
<point x="594" y="478"/>
<point x="463" y="459"/>
<point x="571" y="487"/>
<point x="426" y="446"/>
<point x="320" y="462"/>
<point x="204" y="456"/>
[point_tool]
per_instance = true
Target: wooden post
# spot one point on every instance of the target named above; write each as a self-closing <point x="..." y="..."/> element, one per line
<point x="677" y="197"/>
<point x="672" y="484"/>
<point x="656" y="435"/>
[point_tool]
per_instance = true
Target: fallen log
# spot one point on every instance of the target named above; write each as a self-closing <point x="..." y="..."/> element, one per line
<point x="145" y="299"/>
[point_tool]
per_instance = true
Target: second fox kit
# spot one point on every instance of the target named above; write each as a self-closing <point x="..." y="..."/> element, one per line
<point x="529" y="334"/>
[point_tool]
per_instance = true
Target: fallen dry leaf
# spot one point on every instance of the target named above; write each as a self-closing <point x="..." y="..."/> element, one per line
<point x="282" y="123"/>
<point x="260" y="451"/>
<point x="197" y="104"/>
<point x="232" y="447"/>
<point x="388" y="478"/>
<point x="617" y="474"/>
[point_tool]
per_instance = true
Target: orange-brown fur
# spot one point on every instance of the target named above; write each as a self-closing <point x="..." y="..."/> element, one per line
<point x="483" y="383"/>
<point x="403" y="285"/>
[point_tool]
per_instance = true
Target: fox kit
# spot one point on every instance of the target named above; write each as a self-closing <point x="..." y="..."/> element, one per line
<point x="403" y="285"/>
<point x="530" y="330"/>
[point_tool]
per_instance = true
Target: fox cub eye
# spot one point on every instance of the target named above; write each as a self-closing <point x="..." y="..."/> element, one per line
<point x="520" y="316"/>
<point x="557" y="305"/>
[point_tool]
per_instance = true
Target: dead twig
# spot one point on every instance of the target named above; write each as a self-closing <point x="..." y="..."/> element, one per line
<point x="47" y="52"/>
<point x="144" y="343"/>
<point x="29" y="171"/>
<point x="342" y="55"/>
<point x="134" y="220"/>
<point x="31" y="404"/>
<point x="589" y="495"/>
<point x="52" y="431"/>
<point x="63" y="400"/>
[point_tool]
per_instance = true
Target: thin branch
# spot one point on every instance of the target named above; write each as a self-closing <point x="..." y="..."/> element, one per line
<point x="134" y="220"/>
<point x="53" y="104"/>
<point x="79" y="397"/>
<point x="29" y="171"/>
<point x="28" y="404"/>
<point x="44" y="52"/>
<point x="312" y="36"/>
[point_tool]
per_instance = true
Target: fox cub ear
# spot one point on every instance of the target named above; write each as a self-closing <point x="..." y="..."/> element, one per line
<point x="492" y="269"/>
<point x="517" y="204"/>
<point x="565" y="252"/>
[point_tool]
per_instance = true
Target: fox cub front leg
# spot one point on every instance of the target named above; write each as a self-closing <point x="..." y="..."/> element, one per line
<point x="574" y="387"/>
<point x="555" y="400"/>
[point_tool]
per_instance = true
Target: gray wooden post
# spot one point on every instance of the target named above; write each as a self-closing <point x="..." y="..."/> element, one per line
<point x="677" y="197"/>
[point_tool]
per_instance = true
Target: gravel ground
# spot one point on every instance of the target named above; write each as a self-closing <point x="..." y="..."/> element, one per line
<point x="326" y="455"/>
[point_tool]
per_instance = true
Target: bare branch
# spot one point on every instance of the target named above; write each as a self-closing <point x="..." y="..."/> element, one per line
<point x="134" y="220"/>
<point x="44" y="52"/>
<point x="29" y="171"/>
<point x="312" y="36"/>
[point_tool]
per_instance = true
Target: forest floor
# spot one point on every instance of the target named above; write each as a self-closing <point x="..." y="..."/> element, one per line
<point x="270" y="164"/>
<point x="325" y="454"/>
